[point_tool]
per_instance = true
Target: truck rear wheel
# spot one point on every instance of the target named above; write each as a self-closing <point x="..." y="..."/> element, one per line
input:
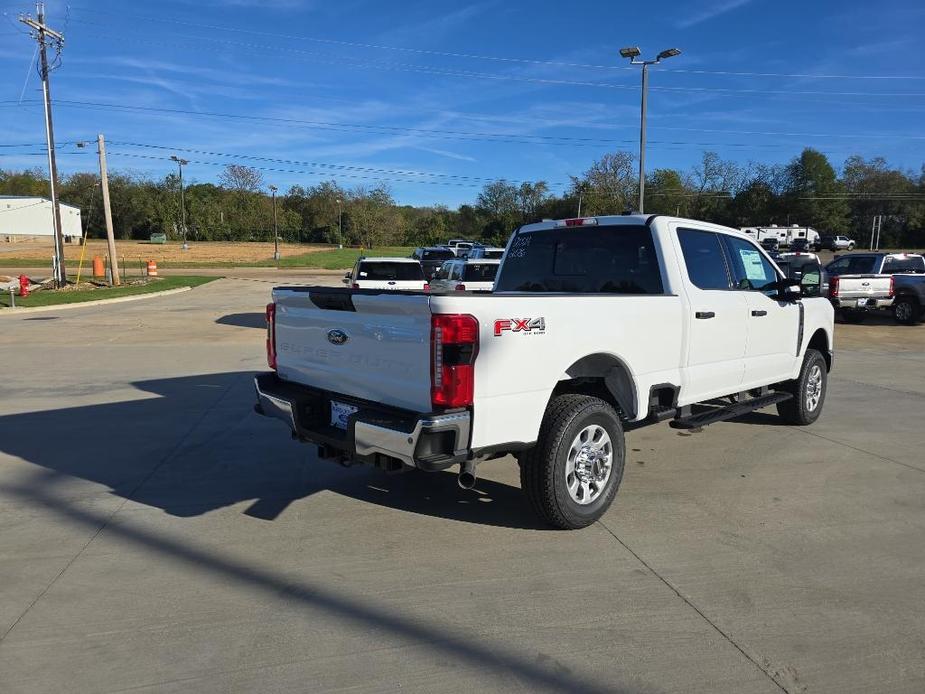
<point x="808" y="390"/>
<point x="572" y="474"/>
<point x="906" y="310"/>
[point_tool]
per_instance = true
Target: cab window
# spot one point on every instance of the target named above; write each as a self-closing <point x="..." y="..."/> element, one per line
<point x="703" y="256"/>
<point x="751" y="271"/>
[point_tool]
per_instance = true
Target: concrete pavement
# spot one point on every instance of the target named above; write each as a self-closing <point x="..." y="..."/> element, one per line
<point x="156" y="534"/>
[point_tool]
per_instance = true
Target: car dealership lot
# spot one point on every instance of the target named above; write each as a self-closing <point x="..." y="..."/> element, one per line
<point x="155" y="533"/>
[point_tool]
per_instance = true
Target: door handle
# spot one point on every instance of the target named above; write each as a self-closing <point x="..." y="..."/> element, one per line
<point x="704" y="314"/>
<point x="759" y="313"/>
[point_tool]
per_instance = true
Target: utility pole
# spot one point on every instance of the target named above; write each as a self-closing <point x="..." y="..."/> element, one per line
<point x="275" y="229"/>
<point x="180" y="164"/>
<point x="107" y="211"/>
<point x="633" y="53"/>
<point x="340" y="222"/>
<point x="41" y="33"/>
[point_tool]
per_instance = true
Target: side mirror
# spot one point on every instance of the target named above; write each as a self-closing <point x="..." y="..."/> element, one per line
<point x="346" y="280"/>
<point x="788" y="290"/>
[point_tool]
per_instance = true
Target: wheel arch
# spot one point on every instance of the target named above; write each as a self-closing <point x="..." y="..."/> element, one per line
<point x="821" y="342"/>
<point x="603" y="375"/>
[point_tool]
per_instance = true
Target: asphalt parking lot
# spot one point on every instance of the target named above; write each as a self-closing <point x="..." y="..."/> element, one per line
<point x="156" y="534"/>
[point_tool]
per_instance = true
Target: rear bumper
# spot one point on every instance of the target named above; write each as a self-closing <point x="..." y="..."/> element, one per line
<point x="432" y="441"/>
<point x="868" y="305"/>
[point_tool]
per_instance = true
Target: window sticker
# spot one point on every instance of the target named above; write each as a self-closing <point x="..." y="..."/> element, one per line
<point x="754" y="268"/>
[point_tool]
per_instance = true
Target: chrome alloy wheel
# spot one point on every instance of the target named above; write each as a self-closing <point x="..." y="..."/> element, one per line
<point x="590" y="460"/>
<point x="814" y="388"/>
<point x="903" y="311"/>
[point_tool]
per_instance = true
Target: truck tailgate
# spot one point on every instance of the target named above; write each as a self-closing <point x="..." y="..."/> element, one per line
<point x="863" y="286"/>
<point x="359" y="343"/>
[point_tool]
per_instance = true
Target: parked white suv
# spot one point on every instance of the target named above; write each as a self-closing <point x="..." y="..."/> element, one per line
<point x="386" y="273"/>
<point x="594" y="323"/>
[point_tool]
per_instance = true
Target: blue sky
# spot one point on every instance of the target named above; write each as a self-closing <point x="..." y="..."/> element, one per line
<point x="437" y="97"/>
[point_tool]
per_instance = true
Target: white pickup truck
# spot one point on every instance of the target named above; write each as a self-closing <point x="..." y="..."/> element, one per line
<point x="594" y="323"/>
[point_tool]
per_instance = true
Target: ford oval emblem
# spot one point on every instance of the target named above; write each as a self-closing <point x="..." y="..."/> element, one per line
<point x="337" y="337"/>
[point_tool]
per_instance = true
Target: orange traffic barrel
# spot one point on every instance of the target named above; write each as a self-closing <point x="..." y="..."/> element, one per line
<point x="99" y="270"/>
<point x="152" y="269"/>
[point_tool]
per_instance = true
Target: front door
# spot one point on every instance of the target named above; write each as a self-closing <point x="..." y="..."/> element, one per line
<point x="772" y="326"/>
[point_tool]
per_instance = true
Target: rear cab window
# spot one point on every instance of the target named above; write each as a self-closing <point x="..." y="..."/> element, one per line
<point x="616" y="259"/>
<point x="437" y="254"/>
<point x="480" y="272"/>
<point x="389" y="271"/>
<point x="893" y="265"/>
<point x="704" y="259"/>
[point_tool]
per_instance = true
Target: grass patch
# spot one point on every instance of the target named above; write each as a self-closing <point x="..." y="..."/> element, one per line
<point x="47" y="297"/>
<point x="341" y="258"/>
<point x="334" y="259"/>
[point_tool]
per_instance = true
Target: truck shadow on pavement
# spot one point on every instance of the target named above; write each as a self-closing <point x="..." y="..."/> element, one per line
<point x="192" y="445"/>
<point x="244" y="320"/>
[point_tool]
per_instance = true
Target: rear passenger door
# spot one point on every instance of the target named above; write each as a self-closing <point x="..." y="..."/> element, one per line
<point x="772" y="325"/>
<point x="715" y="319"/>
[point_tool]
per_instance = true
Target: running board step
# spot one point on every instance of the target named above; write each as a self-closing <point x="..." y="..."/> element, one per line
<point x="721" y="414"/>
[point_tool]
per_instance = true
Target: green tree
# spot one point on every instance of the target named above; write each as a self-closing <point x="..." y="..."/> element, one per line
<point x="814" y="195"/>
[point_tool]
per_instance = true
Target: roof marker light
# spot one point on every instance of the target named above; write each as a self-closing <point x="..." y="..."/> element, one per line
<point x="577" y="222"/>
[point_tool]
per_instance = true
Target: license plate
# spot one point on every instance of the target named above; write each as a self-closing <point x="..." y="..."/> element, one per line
<point x="340" y="412"/>
<point x="862" y="303"/>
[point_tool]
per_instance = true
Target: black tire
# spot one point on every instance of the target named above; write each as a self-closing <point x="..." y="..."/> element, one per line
<point x="543" y="468"/>
<point x="849" y="315"/>
<point x="799" y="409"/>
<point x="850" y="247"/>
<point x="906" y="310"/>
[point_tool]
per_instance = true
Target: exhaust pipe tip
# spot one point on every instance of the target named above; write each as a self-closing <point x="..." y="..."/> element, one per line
<point x="467" y="477"/>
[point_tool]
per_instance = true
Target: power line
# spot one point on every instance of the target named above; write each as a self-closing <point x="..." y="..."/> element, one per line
<point x="409" y="67"/>
<point x="476" y="56"/>
<point x="497" y="138"/>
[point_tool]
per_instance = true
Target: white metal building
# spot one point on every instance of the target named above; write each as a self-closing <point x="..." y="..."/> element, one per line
<point x="27" y="216"/>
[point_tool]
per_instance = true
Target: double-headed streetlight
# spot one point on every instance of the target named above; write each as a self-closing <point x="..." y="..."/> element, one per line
<point x="180" y="164"/>
<point x="273" y="190"/>
<point x="633" y="53"/>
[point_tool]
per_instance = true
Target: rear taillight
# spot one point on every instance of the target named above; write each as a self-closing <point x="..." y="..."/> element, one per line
<point x="892" y="286"/>
<point x="354" y="286"/>
<point x="426" y="287"/>
<point x="460" y="287"/>
<point x="833" y="287"/>
<point x="454" y="345"/>
<point x="271" y="336"/>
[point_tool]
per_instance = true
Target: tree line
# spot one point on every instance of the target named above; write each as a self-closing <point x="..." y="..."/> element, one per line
<point x="807" y="191"/>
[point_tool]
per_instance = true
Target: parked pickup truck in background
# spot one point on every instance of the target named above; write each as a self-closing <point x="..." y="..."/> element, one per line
<point x="863" y="282"/>
<point x="594" y="323"/>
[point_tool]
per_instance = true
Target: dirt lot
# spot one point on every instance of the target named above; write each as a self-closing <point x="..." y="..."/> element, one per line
<point x="205" y="252"/>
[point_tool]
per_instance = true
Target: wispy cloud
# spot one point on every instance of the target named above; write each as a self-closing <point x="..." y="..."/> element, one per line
<point x="710" y="11"/>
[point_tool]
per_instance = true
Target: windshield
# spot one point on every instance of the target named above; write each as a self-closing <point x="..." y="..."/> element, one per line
<point x="389" y="272"/>
<point x="480" y="272"/>
<point x="616" y="259"/>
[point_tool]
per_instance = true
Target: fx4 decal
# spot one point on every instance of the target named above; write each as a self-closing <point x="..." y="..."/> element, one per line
<point x="531" y="326"/>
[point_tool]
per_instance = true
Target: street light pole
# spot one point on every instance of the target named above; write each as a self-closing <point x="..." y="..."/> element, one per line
<point x="340" y="222"/>
<point x="180" y="164"/>
<point x="633" y="53"/>
<point x="273" y="190"/>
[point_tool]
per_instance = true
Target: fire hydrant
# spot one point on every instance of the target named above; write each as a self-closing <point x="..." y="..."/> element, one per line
<point x="23" y="285"/>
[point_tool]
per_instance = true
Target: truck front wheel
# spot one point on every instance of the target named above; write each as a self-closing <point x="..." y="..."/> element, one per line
<point x="572" y="474"/>
<point x="808" y="391"/>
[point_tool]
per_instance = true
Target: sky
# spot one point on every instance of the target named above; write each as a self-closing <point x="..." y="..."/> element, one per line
<point x="434" y="98"/>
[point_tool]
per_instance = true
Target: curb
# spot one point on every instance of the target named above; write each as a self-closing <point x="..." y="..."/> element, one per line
<point x="98" y="302"/>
